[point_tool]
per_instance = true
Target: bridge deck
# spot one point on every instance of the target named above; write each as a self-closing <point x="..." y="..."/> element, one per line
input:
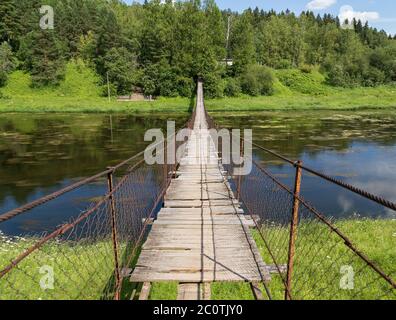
<point x="201" y="234"/>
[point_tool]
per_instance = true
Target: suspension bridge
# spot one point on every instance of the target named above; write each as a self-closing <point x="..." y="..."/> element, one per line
<point x="201" y="235"/>
<point x="193" y="223"/>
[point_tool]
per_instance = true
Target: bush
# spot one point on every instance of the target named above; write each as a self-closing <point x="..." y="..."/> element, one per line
<point x="307" y="83"/>
<point x="3" y="78"/>
<point x="373" y="77"/>
<point x="214" y="86"/>
<point x="232" y="87"/>
<point x="257" y="80"/>
<point x="185" y="86"/>
<point x="168" y="85"/>
<point x="105" y="90"/>
<point x="7" y="62"/>
<point x="121" y="66"/>
<point x="337" y="76"/>
<point x="307" y="68"/>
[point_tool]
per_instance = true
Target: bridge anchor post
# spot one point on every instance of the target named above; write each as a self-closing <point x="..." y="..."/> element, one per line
<point x="114" y="234"/>
<point x="293" y="230"/>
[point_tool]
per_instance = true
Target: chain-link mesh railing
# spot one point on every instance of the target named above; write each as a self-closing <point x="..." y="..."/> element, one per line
<point x="91" y="256"/>
<point x="312" y="255"/>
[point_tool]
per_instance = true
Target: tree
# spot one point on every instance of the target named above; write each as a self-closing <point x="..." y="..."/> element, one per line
<point x="165" y="47"/>
<point x="243" y="48"/>
<point x="280" y="42"/>
<point x="216" y="28"/>
<point x="232" y="87"/>
<point x="8" y="21"/>
<point x="121" y="66"/>
<point x="43" y="56"/>
<point x="87" y="48"/>
<point x="384" y="59"/>
<point x="257" y="80"/>
<point x="7" y="62"/>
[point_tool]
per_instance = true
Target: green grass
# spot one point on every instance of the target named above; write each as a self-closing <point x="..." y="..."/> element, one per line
<point x="376" y="238"/>
<point x="294" y="90"/>
<point x="339" y="99"/>
<point x="320" y="255"/>
<point x="85" y="271"/>
<point x="79" y="92"/>
<point x="81" y="271"/>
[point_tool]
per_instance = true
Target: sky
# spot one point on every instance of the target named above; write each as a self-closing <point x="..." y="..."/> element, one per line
<point x="379" y="13"/>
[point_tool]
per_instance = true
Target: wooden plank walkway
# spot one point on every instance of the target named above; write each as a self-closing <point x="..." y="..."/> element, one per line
<point x="201" y="235"/>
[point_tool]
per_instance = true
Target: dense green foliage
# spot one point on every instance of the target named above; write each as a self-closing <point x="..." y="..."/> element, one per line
<point x="163" y="48"/>
<point x="7" y="62"/>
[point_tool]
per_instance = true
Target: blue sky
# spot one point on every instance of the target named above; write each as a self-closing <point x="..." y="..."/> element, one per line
<point x="380" y="13"/>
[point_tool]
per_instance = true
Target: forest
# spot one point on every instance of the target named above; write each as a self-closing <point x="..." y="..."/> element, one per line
<point x="163" y="48"/>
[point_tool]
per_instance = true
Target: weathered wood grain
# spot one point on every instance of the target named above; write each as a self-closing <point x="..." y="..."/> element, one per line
<point x="201" y="234"/>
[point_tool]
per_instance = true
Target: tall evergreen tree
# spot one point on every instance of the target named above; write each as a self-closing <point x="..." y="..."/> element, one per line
<point x="8" y="21"/>
<point x="43" y="56"/>
<point x="242" y="43"/>
<point x="7" y="62"/>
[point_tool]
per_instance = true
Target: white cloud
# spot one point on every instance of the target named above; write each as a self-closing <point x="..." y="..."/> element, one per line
<point x="347" y="12"/>
<point x="320" y="4"/>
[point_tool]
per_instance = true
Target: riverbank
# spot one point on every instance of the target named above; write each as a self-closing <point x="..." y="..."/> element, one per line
<point x="376" y="238"/>
<point x="79" y="93"/>
<point x="343" y="99"/>
<point x="383" y="97"/>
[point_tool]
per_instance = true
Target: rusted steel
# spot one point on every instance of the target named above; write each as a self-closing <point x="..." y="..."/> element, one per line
<point x="175" y="155"/>
<point x="25" y="208"/>
<point x="65" y="228"/>
<point x="146" y="223"/>
<point x="166" y="172"/>
<point x="241" y="148"/>
<point x="267" y="246"/>
<point x="15" y="212"/>
<point x="114" y="233"/>
<point x="293" y="231"/>
<point x="320" y="216"/>
<point x="363" y="193"/>
<point x="109" y="198"/>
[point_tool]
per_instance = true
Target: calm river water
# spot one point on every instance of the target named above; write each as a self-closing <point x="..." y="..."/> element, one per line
<point x="42" y="153"/>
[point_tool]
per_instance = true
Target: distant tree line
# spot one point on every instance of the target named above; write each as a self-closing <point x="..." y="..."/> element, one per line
<point x="163" y="48"/>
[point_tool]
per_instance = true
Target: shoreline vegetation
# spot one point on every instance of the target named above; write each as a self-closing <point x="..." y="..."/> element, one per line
<point x="270" y="60"/>
<point x="361" y="231"/>
<point x="80" y="93"/>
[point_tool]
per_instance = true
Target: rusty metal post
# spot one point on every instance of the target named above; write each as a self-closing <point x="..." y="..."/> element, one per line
<point x="175" y="155"/>
<point x="241" y="148"/>
<point x="166" y="172"/>
<point x="114" y="234"/>
<point x="293" y="230"/>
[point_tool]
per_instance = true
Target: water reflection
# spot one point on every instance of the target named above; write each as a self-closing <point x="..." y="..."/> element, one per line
<point x="42" y="153"/>
<point x="356" y="147"/>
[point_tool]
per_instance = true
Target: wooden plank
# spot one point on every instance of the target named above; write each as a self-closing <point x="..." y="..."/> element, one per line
<point x="174" y="222"/>
<point x="141" y="275"/>
<point x="201" y="234"/>
<point x="189" y="291"/>
<point x="198" y="203"/>
<point x="145" y="292"/>
<point x="227" y="258"/>
<point x="194" y="291"/>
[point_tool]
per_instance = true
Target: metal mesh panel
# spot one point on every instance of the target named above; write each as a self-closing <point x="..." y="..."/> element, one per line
<point x="83" y="259"/>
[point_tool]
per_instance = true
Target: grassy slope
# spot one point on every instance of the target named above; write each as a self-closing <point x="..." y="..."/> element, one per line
<point x="293" y="90"/>
<point x="297" y="90"/>
<point x="79" y="92"/>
